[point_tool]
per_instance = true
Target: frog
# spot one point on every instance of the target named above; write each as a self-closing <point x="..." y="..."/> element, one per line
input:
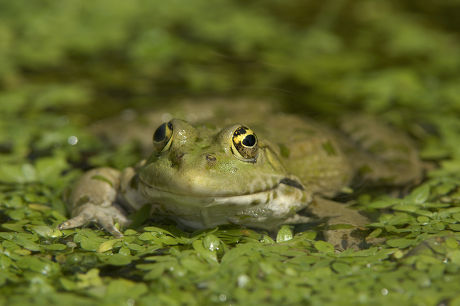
<point x="249" y="164"/>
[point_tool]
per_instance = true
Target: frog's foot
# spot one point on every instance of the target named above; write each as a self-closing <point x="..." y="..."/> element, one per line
<point x="94" y="199"/>
<point x="343" y="239"/>
<point x="106" y="216"/>
<point x="339" y="215"/>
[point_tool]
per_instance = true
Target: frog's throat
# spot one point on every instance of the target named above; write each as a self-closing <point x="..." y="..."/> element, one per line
<point x="287" y="194"/>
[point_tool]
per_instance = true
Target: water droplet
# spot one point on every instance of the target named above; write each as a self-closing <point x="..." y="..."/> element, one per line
<point x="130" y="302"/>
<point x="222" y="297"/>
<point x="243" y="280"/>
<point x="425" y="282"/>
<point x="384" y="291"/>
<point x="72" y="140"/>
<point x="211" y="242"/>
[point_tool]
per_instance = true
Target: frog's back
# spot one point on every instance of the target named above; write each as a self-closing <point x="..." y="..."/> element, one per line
<point x="326" y="160"/>
<point x="308" y="150"/>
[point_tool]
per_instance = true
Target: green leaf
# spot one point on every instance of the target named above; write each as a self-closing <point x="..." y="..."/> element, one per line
<point x="375" y="233"/>
<point x="116" y="259"/>
<point x="107" y="245"/>
<point x="90" y="243"/>
<point x="147" y="237"/>
<point x="400" y="243"/>
<point x="284" y="234"/>
<point x="205" y="253"/>
<point x="341" y="268"/>
<point x="27" y="243"/>
<point x="55" y="247"/>
<point x="323" y="247"/>
<point x="211" y="242"/>
<point x="454" y="256"/>
<point x="420" y="194"/>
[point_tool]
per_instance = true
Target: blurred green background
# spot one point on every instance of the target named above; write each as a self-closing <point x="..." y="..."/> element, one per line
<point x="326" y="55"/>
<point x="65" y="64"/>
<point x="87" y="60"/>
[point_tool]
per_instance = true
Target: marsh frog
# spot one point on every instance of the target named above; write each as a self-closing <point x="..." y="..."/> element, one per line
<point x="246" y="163"/>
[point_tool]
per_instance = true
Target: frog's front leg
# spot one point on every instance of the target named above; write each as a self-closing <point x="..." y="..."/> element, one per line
<point x="93" y="199"/>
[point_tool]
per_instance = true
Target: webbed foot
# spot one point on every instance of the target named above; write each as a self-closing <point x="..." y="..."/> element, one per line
<point x="105" y="216"/>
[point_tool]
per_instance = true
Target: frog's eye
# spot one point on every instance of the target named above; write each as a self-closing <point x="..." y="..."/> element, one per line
<point x="244" y="144"/>
<point x="162" y="137"/>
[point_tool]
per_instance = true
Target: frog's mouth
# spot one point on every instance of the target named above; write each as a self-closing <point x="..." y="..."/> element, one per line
<point x="262" y="209"/>
<point x="288" y="189"/>
<point x="292" y="183"/>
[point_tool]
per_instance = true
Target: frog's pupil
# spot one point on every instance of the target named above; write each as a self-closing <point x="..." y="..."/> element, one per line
<point x="249" y="140"/>
<point x="160" y="133"/>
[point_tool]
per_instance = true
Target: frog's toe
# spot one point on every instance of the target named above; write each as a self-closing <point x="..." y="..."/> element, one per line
<point x="107" y="223"/>
<point x="76" y="221"/>
<point x="344" y="239"/>
<point x="105" y="216"/>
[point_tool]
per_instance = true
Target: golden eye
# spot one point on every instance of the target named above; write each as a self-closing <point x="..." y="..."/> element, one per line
<point x="162" y="137"/>
<point x="245" y="144"/>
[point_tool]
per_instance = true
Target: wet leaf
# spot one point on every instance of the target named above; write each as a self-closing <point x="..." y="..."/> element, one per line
<point x="206" y="253"/>
<point x="284" y="234"/>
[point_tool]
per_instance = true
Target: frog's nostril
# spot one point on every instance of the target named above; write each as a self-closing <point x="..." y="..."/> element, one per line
<point x="211" y="159"/>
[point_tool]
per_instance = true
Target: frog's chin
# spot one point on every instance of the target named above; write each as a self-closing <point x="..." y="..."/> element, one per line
<point x="285" y="186"/>
<point x="166" y="197"/>
<point x="284" y="195"/>
<point x="261" y="209"/>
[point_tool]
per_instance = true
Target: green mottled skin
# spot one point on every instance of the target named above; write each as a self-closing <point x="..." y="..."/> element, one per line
<point x="201" y="181"/>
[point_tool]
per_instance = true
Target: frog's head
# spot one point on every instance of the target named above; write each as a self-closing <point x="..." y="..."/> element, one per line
<point x="210" y="165"/>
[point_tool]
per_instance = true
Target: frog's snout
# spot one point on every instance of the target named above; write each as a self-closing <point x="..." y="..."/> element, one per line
<point x="211" y="159"/>
<point x="179" y="159"/>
